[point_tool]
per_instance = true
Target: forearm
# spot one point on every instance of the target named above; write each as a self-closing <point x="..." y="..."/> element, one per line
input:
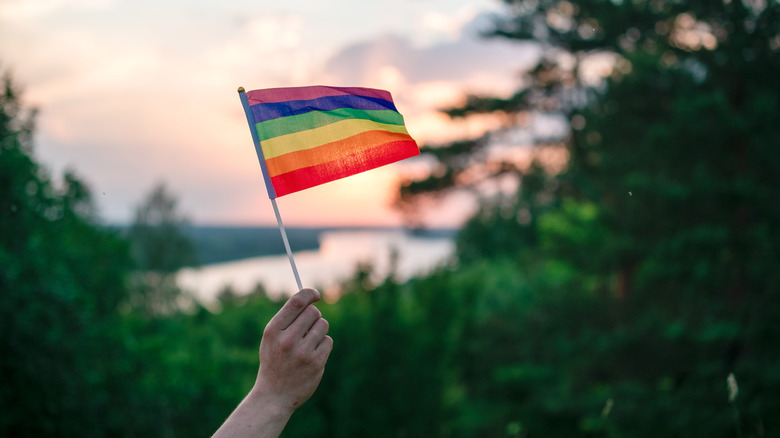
<point x="257" y="416"/>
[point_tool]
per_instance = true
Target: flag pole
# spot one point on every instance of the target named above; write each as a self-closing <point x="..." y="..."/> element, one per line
<point x="269" y="187"/>
<point x="286" y="244"/>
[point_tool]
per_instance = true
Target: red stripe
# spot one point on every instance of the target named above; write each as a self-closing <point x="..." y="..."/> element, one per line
<point x="352" y="164"/>
<point x="361" y="143"/>
<point x="274" y="95"/>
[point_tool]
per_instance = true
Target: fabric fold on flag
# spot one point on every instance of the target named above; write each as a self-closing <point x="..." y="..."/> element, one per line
<point x="313" y="135"/>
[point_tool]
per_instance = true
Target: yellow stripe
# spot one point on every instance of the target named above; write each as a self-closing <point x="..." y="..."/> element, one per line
<point x="312" y="138"/>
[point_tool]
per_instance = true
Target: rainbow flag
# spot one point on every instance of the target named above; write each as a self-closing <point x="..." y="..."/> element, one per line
<point x="307" y="136"/>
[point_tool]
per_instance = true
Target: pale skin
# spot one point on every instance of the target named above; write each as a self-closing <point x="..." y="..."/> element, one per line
<point x="293" y="352"/>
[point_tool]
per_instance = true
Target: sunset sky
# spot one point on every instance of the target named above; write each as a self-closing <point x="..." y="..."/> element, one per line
<point x="136" y="92"/>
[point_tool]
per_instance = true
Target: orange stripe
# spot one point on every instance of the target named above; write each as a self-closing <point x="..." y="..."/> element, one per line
<point x="331" y="151"/>
<point x="345" y="166"/>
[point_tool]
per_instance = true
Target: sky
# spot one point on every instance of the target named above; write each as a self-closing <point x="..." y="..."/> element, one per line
<point x="134" y="93"/>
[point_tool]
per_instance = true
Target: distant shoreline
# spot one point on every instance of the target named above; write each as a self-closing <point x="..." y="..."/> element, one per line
<point x="226" y="243"/>
<point x="340" y="254"/>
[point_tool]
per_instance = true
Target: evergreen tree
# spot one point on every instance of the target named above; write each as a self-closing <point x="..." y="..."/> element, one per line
<point x="656" y="245"/>
<point x="160" y="248"/>
<point x="62" y="279"/>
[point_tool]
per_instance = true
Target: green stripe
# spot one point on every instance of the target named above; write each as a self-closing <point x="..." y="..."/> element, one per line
<point x="315" y="119"/>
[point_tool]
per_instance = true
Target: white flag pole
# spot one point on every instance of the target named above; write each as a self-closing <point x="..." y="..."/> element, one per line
<point x="269" y="187"/>
<point x="286" y="244"/>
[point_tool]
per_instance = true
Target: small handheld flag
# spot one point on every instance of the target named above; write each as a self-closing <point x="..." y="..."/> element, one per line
<point x="307" y="136"/>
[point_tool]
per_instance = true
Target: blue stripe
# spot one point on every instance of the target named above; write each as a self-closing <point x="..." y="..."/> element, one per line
<point x="269" y="111"/>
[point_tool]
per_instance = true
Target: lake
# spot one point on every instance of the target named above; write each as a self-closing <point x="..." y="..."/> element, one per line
<point x="336" y="259"/>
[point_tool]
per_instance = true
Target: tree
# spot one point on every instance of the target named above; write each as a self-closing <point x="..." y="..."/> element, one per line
<point x="665" y="208"/>
<point x="161" y="248"/>
<point x="159" y="243"/>
<point x="672" y="63"/>
<point x="75" y="362"/>
<point x="62" y="278"/>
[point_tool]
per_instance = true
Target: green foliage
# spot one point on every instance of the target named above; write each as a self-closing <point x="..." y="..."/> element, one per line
<point x="612" y="299"/>
<point x="160" y="247"/>
<point x="389" y="375"/>
<point x="503" y="224"/>
<point x="655" y="247"/>
<point x="61" y="280"/>
<point x="159" y="243"/>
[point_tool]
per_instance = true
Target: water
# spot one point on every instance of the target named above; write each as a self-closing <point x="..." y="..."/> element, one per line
<point x="336" y="260"/>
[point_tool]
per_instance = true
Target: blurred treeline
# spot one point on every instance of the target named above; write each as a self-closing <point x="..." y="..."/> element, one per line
<point x="611" y="297"/>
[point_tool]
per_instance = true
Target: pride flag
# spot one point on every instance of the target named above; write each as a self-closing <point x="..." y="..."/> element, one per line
<point x="307" y="136"/>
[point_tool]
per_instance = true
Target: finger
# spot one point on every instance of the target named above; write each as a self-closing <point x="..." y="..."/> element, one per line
<point x="316" y="333"/>
<point x="293" y="308"/>
<point x="324" y="348"/>
<point x="303" y="323"/>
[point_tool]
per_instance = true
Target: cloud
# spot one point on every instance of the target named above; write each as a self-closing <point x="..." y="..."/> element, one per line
<point x="424" y="80"/>
<point x="437" y="27"/>
<point x="133" y="101"/>
<point x="32" y="9"/>
<point x="127" y="109"/>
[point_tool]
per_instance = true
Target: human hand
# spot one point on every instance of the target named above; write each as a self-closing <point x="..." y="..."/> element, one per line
<point x="293" y="352"/>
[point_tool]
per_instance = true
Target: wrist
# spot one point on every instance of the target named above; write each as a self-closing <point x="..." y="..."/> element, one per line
<point x="259" y="415"/>
<point x="275" y="406"/>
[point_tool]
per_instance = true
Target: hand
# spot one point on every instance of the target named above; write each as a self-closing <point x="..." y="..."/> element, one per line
<point x="293" y="352"/>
